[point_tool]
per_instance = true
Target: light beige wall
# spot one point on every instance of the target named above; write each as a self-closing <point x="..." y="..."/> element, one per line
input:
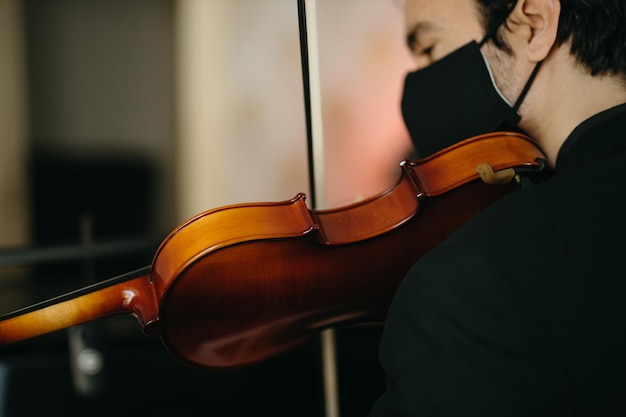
<point x="241" y="134"/>
<point x="241" y="126"/>
<point x="14" y="207"/>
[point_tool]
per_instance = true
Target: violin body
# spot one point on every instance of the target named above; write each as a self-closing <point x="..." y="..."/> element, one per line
<point x="247" y="282"/>
<point x="255" y="299"/>
<point x="239" y="284"/>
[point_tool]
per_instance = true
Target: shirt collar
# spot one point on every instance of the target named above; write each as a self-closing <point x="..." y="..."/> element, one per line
<point x="601" y="134"/>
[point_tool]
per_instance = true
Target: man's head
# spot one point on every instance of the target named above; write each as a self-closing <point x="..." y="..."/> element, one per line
<point x="580" y="44"/>
<point x="596" y="31"/>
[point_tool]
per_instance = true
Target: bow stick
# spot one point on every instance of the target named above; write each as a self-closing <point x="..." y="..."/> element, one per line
<point x="307" y="18"/>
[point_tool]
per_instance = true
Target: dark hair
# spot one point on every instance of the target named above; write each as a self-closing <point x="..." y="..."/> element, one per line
<point x="596" y="29"/>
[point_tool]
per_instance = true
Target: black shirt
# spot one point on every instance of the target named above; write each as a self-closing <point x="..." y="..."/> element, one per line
<point x="522" y="311"/>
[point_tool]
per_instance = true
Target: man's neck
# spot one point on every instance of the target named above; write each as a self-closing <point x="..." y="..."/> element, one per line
<point x="566" y="96"/>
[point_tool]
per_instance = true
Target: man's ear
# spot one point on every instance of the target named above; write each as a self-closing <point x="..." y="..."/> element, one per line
<point x="538" y="22"/>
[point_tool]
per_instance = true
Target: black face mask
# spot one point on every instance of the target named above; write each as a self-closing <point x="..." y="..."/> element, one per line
<point x="454" y="99"/>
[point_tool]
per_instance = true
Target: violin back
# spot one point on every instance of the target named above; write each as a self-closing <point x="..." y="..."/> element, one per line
<point x="239" y="284"/>
<point x="258" y="279"/>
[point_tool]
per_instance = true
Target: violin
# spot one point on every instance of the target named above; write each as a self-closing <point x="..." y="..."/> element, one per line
<point x="239" y="284"/>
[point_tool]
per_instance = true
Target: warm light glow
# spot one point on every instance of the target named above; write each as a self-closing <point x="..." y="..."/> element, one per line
<point x="241" y="124"/>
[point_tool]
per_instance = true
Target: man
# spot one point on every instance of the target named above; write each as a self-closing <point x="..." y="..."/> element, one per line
<point x="522" y="311"/>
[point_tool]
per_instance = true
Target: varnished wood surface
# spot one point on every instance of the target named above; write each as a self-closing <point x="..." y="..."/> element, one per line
<point x="264" y="294"/>
<point x="134" y="296"/>
<point x="240" y="284"/>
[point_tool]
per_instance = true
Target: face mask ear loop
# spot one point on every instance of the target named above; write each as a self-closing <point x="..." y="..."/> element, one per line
<point x="490" y="35"/>
<point x="522" y="95"/>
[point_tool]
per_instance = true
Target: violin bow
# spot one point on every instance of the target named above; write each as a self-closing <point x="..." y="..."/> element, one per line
<point x="307" y="19"/>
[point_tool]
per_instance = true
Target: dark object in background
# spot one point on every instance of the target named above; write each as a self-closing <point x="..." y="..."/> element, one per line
<point x="117" y="194"/>
<point x="142" y="378"/>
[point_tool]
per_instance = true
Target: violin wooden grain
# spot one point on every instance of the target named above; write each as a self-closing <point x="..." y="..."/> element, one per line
<point x="239" y="284"/>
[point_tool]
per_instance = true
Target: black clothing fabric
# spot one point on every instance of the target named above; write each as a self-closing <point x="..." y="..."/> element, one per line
<point x="522" y="311"/>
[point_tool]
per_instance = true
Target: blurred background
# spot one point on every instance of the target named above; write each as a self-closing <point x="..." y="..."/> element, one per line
<point x="120" y="119"/>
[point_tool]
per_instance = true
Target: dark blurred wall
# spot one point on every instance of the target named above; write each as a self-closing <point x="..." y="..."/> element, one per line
<point x="101" y="87"/>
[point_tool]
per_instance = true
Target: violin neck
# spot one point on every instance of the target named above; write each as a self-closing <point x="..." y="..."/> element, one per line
<point x="117" y="295"/>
